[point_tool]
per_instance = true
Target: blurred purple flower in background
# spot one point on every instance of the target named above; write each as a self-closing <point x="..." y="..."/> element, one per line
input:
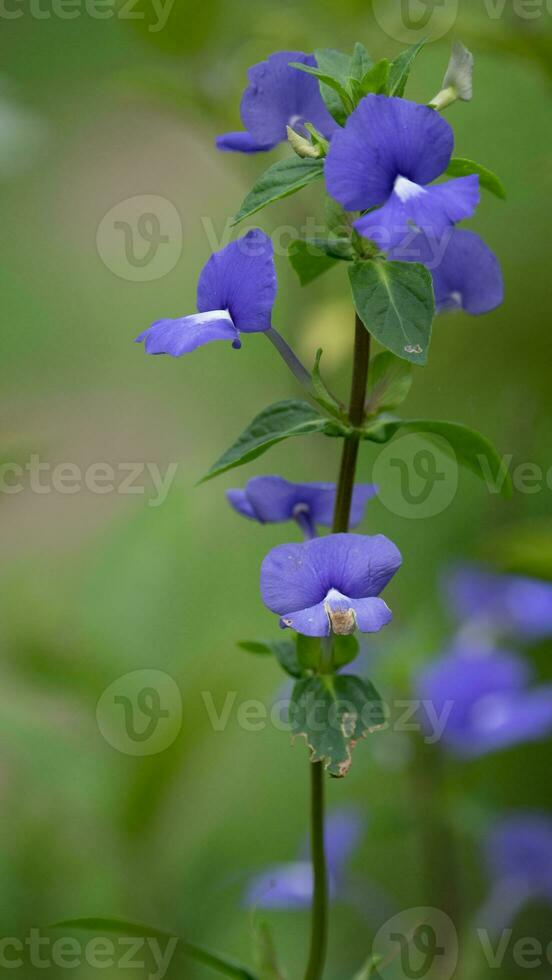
<point x="235" y="293"/>
<point x="271" y="499"/>
<point x="518" y="854"/>
<point x="277" y="97"/>
<point x="506" y="604"/>
<point x="384" y="158"/>
<point x="288" y="886"/>
<point x="330" y="584"/>
<point x="486" y="699"/>
<point x="466" y="274"/>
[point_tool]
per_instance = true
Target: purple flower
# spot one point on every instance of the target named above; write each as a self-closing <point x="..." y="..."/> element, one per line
<point x="466" y="274"/>
<point x="271" y="500"/>
<point x="235" y="294"/>
<point x="278" y="96"/>
<point x="485" y="700"/>
<point x="512" y="604"/>
<point x="330" y="584"/>
<point x="289" y="886"/>
<point x="518" y="854"/>
<point x="386" y="156"/>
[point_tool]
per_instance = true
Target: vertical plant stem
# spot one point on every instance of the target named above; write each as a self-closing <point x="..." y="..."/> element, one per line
<point x="345" y="486"/>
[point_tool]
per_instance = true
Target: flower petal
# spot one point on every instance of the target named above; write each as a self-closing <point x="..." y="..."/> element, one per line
<point x="241" y="142"/>
<point x="312" y="621"/>
<point x="371" y="614"/>
<point x="279" y="96"/>
<point x="180" y="336"/>
<point x="241" y="278"/>
<point x="291" y="579"/>
<point x="432" y="210"/>
<point x="239" y="500"/>
<point x="385" y="138"/>
<point x="283" y="886"/>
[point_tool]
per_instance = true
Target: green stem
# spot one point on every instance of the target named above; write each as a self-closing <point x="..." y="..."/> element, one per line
<point x="345" y="486"/>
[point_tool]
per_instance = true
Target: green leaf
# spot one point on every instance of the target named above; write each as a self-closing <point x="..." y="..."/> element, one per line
<point x="333" y="712"/>
<point x="472" y="450"/>
<point x="283" y="420"/>
<point x="280" y="180"/>
<point x="285" y="652"/>
<point x="375" y="81"/>
<point x="401" y="68"/>
<point x="331" y="81"/>
<point x="361" y="62"/>
<point x="460" y="167"/>
<point x="389" y="382"/>
<point x="321" y="394"/>
<point x="395" y="302"/>
<point x="338" y="221"/>
<point x="338" y="66"/>
<point x="344" y="650"/>
<point x="308" y="260"/>
<point x="122" y="927"/>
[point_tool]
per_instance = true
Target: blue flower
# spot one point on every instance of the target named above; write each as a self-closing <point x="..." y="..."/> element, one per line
<point x="330" y="584"/>
<point x="235" y="294"/>
<point x="518" y="854"/>
<point x="386" y="156"/>
<point x="289" y="886"/>
<point x="505" y="604"/>
<point x="278" y="96"/>
<point x="486" y="699"/>
<point x="271" y="500"/>
<point x="466" y="274"/>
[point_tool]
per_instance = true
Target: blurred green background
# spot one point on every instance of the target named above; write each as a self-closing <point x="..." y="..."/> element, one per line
<point x="94" y="112"/>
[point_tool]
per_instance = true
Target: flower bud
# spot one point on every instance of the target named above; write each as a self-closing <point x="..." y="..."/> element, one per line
<point x="302" y="146"/>
<point x="457" y="83"/>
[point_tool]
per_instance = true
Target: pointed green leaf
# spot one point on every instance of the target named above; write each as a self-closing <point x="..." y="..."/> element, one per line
<point x="338" y="65"/>
<point x="322" y="395"/>
<point x="401" y="68"/>
<point x="308" y="651"/>
<point x="375" y="81"/>
<point x="460" y="167"/>
<point x="266" y="957"/>
<point x="280" y="180"/>
<point x="395" y="302"/>
<point x="121" y="927"/>
<point x="389" y="382"/>
<point x="333" y="712"/>
<point x="361" y="62"/>
<point x="472" y="450"/>
<point x="256" y="646"/>
<point x="308" y="260"/>
<point x="338" y="221"/>
<point x="369" y="971"/>
<point x="283" y="420"/>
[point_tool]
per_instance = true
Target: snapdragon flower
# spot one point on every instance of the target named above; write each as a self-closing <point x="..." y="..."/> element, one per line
<point x="235" y="294"/>
<point x="504" y="604"/>
<point x="330" y="584"/>
<point x="518" y="854"/>
<point x="486" y="698"/>
<point x="466" y="274"/>
<point x="289" y="885"/>
<point x="278" y="96"/>
<point x="272" y="500"/>
<point x="388" y="153"/>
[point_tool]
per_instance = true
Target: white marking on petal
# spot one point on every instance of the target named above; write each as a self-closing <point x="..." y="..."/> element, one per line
<point x="456" y="298"/>
<point x="406" y="189"/>
<point x="213" y="315"/>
